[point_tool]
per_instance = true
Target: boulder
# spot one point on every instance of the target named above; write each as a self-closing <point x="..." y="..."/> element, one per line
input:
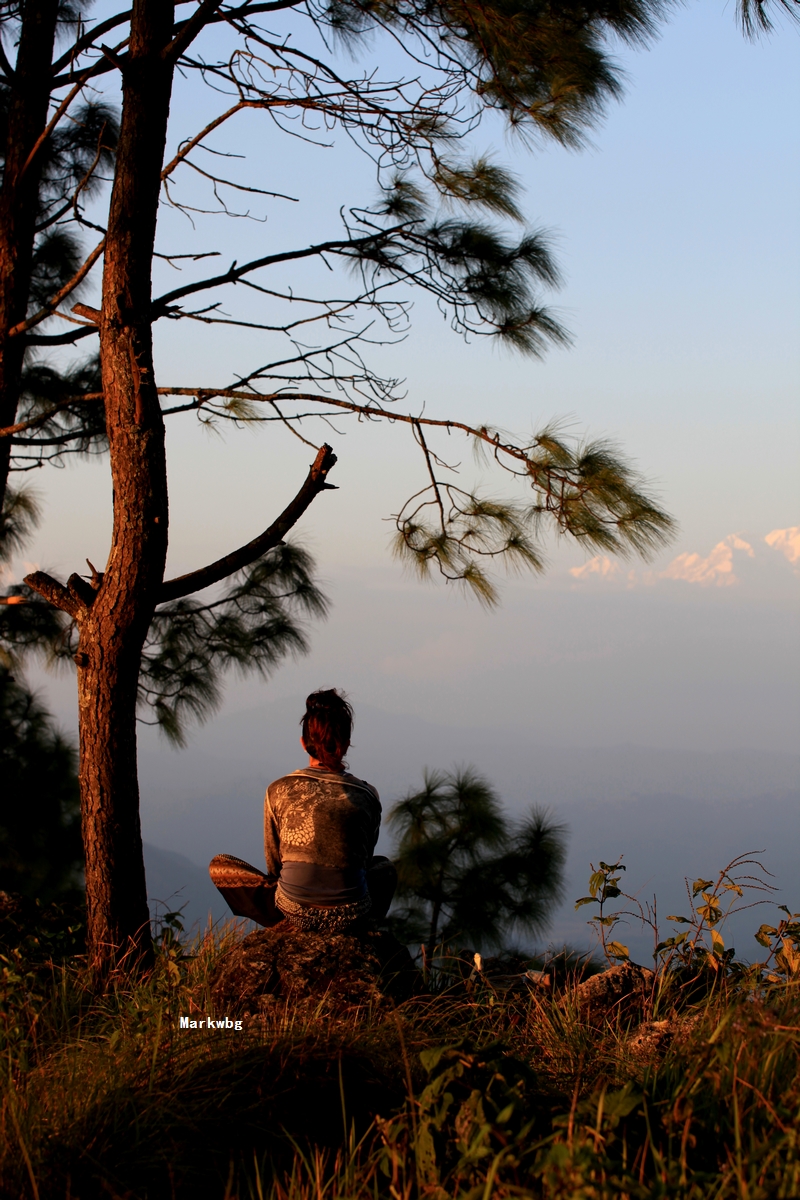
<point x="331" y="972"/>
<point x="622" y="991"/>
<point x="652" y="1039"/>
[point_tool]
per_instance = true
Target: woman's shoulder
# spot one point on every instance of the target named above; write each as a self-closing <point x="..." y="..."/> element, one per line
<point x="294" y="781"/>
<point x="343" y="778"/>
<point x="353" y="780"/>
<point x="322" y="775"/>
<point x="286" y="785"/>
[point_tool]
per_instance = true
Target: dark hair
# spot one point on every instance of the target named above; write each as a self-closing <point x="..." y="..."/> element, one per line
<point x="327" y="726"/>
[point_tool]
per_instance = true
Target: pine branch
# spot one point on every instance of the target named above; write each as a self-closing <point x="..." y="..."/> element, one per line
<point x="235" y="273"/>
<point x="588" y="492"/>
<point x="195" y="581"/>
<point x="257" y="620"/>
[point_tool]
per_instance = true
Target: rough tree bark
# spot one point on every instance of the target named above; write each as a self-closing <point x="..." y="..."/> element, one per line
<point x="114" y="625"/>
<point x="27" y="116"/>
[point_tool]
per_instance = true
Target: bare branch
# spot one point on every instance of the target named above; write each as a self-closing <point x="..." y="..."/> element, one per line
<point x="239" y="187"/>
<point x="43" y="417"/>
<point x="93" y="315"/>
<point x="60" y="339"/>
<point x="56" y="594"/>
<point x="369" y="411"/>
<point x="89" y="39"/>
<point x="252" y="10"/>
<point x="187" y="147"/>
<point x="234" y="273"/>
<point x="195" y="581"/>
<point x="191" y="29"/>
<point x="53" y="304"/>
<point x="420" y="436"/>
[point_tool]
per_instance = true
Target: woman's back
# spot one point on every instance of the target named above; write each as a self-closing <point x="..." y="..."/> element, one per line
<point x="318" y="816"/>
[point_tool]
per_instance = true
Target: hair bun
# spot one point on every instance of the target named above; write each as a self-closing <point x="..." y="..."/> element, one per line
<point x="324" y="701"/>
<point x="327" y="726"/>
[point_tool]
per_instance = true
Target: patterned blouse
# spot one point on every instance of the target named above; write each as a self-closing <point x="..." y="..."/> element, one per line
<point x="320" y="830"/>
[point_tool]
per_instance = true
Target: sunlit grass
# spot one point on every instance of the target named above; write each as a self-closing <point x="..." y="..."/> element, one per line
<point x="104" y="1095"/>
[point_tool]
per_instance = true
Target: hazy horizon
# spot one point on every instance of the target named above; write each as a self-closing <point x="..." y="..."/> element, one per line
<point x="669" y="813"/>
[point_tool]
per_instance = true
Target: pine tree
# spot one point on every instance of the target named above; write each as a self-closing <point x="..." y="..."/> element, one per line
<point x="466" y="873"/>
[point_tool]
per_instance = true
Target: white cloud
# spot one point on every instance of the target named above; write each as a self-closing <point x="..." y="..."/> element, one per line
<point x="715" y="570"/>
<point x="787" y="541"/>
<point x="600" y="565"/>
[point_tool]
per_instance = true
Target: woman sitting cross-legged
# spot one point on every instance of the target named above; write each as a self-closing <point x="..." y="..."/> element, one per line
<point x="320" y="828"/>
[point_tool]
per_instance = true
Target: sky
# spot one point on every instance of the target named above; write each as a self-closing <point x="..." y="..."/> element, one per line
<point x="677" y="235"/>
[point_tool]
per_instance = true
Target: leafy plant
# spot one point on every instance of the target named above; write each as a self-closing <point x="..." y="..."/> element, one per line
<point x="473" y="1114"/>
<point x="604" y="886"/>
<point x="700" y="945"/>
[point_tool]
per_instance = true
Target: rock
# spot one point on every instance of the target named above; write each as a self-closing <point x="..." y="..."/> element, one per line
<point x="624" y="990"/>
<point x="512" y="975"/>
<point x="337" y="972"/>
<point x="653" y="1039"/>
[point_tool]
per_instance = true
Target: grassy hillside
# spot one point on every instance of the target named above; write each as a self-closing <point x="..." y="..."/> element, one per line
<point x="473" y="1091"/>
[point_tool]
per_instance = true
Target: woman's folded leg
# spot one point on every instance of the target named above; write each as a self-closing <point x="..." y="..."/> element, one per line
<point x="248" y="892"/>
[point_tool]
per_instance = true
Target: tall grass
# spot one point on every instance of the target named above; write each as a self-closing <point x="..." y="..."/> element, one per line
<point x="470" y="1092"/>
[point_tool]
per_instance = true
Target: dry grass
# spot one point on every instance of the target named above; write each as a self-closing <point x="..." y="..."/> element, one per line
<point x="105" y="1096"/>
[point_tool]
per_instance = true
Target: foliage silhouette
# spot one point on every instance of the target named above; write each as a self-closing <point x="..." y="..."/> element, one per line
<point x="465" y="871"/>
<point x="40" y="841"/>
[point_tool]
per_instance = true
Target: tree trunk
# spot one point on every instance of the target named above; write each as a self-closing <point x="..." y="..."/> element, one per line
<point x="433" y="931"/>
<point x="436" y="911"/>
<point x="19" y="199"/>
<point x="114" y="626"/>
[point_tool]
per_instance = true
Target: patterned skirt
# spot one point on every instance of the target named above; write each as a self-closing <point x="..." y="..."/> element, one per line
<point x="335" y="918"/>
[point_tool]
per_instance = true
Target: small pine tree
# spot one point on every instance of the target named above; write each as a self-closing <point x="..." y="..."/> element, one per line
<point x="465" y="870"/>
